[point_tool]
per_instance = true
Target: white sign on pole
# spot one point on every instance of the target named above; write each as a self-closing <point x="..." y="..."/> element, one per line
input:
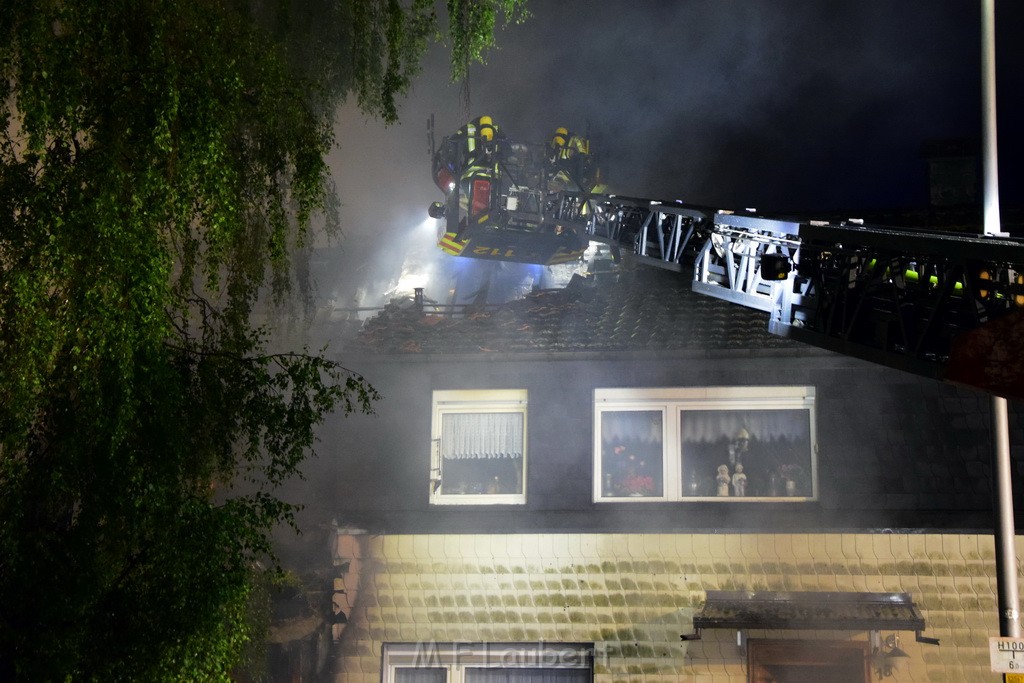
<point x="1007" y="655"/>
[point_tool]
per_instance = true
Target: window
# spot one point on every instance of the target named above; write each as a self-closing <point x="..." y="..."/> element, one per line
<point x="479" y="447"/>
<point x="844" y="661"/>
<point x="738" y="444"/>
<point x="430" y="662"/>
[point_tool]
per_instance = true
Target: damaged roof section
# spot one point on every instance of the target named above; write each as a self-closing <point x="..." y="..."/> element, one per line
<point x="647" y="309"/>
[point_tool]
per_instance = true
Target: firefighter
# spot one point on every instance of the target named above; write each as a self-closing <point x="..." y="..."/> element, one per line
<point x="466" y="169"/>
<point x="557" y="146"/>
<point x="565" y="145"/>
<point x="479" y="143"/>
<point x="569" y="162"/>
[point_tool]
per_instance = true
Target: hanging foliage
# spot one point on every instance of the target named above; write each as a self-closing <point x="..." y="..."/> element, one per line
<point x="160" y="162"/>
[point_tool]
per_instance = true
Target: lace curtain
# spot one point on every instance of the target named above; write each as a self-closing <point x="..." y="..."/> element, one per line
<point x="631" y="426"/>
<point x="481" y="435"/>
<point x="762" y="425"/>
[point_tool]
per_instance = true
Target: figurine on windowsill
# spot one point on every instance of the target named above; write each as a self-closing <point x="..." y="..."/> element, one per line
<point x="723" y="480"/>
<point x="739" y="446"/>
<point x="739" y="482"/>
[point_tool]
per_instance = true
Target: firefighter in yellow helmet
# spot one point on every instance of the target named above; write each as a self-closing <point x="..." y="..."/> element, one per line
<point x="466" y="168"/>
<point x="483" y="141"/>
<point x="477" y="143"/>
<point x="557" y="146"/>
<point x="569" y="162"/>
<point x="485" y="128"/>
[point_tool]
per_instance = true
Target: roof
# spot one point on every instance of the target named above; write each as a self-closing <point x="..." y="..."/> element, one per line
<point x="960" y="219"/>
<point x="647" y="309"/>
<point x="809" y="610"/>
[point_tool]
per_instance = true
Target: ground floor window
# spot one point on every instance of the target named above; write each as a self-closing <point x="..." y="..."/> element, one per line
<point x="431" y="662"/>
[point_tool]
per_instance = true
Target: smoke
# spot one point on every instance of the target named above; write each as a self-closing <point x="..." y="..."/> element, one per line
<point x="778" y="104"/>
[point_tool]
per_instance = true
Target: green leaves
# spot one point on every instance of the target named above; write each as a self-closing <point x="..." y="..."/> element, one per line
<point x="389" y="38"/>
<point x="160" y="163"/>
<point x="157" y="164"/>
<point x="471" y="29"/>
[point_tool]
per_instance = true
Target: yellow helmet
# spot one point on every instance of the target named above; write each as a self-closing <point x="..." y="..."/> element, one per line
<point x="560" y="137"/>
<point x="486" y="128"/>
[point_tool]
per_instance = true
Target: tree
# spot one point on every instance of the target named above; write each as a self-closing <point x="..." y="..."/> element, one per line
<point x="160" y="162"/>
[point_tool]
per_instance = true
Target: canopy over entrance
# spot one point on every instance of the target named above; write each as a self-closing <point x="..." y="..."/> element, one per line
<point x="808" y="610"/>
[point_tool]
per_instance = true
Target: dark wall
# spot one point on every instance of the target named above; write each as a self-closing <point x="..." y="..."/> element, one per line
<point x="895" y="450"/>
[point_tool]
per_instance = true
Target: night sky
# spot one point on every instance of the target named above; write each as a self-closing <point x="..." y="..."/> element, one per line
<point x="782" y="105"/>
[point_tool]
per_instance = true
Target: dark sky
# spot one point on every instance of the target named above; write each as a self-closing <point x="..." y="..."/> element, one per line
<point x="798" y="105"/>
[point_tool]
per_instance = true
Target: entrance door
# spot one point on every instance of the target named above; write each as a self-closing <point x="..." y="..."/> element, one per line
<point x="808" y="661"/>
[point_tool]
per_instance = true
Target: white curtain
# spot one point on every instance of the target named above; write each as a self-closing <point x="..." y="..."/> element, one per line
<point x="631" y="426"/>
<point x="763" y="425"/>
<point x="481" y="435"/>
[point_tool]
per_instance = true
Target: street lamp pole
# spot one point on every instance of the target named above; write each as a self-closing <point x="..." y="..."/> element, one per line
<point x="1005" y="531"/>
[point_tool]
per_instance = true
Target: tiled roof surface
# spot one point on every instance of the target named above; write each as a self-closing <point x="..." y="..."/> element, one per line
<point x="647" y="309"/>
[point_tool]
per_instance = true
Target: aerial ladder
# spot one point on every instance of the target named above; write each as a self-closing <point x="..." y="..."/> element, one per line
<point x="944" y="305"/>
<point x="939" y="304"/>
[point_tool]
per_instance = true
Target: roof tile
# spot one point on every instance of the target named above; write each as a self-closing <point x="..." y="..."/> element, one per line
<point x="647" y="309"/>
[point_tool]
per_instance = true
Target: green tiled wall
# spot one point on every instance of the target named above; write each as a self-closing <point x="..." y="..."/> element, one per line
<point x="634" y="594"/>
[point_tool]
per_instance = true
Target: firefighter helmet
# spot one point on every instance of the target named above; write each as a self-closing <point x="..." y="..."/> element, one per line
<point x="485" y="126"/>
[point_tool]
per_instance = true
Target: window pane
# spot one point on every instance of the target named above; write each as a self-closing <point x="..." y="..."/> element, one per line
<point x="482" y="453"/>
<point x="404" y="674"/>
<point x="632" y="453"/>
<point x="475" y="477"/>
<point x="527" y="675"/>
<point x="746" y="453"/>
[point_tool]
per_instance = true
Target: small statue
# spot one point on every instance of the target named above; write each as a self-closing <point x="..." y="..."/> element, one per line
<point x="738" y="446"/>
<point x="723" y="480"/>
<point x="739" y="481"/>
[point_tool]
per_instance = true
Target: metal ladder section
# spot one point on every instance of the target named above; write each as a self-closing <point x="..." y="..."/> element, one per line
<point x="893" y="296"/>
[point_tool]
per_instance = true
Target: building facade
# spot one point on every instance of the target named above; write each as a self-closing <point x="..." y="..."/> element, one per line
<point x="549" y="491"/>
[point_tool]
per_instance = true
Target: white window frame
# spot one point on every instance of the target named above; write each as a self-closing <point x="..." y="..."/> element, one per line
<point x="474" y="401"/>
<point x="457" y="657"/>
<point x="672" y="402"/>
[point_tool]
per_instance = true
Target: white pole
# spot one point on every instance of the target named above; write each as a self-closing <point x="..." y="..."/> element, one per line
<point x="1005" y="531"/>
<point x="1006" y="550"/>
<point x="990" y="160"/>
